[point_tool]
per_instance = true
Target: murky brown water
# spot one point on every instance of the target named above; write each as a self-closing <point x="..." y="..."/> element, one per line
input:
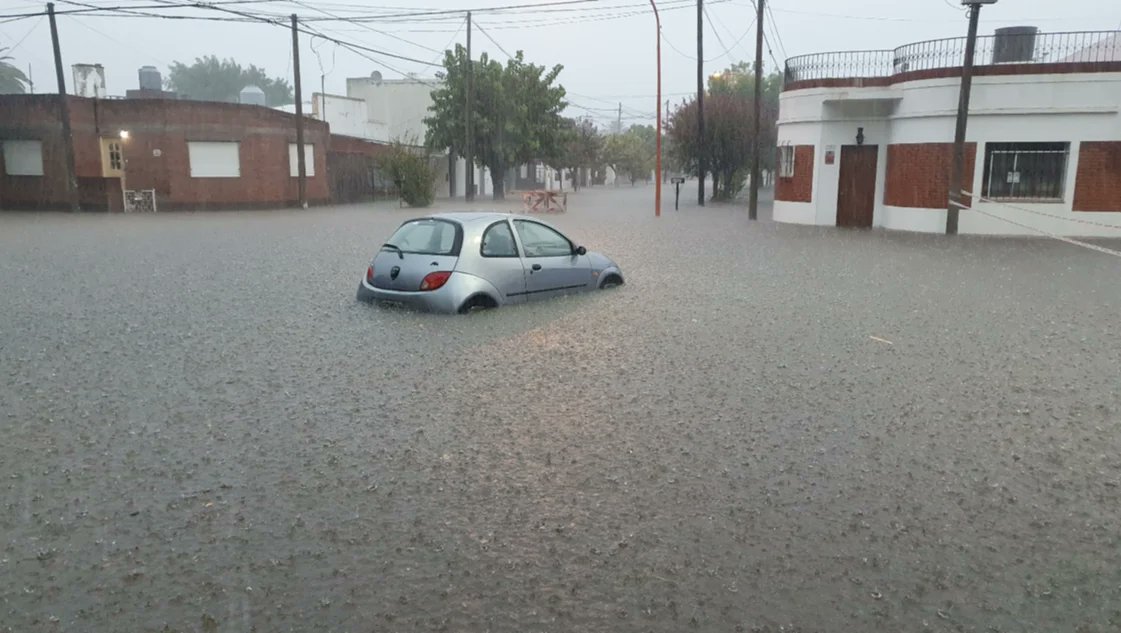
<point x="204" y="432"/>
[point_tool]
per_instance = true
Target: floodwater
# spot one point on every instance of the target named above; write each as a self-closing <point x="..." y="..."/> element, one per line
<point x="769" y="428"/>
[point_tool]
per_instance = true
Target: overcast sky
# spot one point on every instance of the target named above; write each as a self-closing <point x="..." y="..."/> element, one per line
<point x="606" y="46"/>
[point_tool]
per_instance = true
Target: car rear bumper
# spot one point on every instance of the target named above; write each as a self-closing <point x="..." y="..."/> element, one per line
<point x="445" y="299"/>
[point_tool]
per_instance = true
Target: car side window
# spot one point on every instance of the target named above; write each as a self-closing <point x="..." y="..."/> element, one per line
<point x="498" y="241"/>
<point x="539" y="240"/>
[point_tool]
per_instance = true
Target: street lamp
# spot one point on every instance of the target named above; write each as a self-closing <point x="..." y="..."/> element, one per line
<point x="957" y="171"/>
<point x="658" y="129"/>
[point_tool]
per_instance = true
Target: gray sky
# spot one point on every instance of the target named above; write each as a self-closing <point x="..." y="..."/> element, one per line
<point x="607" y="47"/>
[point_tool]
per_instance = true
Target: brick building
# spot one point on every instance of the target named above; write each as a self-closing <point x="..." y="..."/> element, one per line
<point x="192" y="154"/>
<point x="865" y="139"/>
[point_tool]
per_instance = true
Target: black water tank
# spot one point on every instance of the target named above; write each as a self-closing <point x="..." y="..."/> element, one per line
<point x="1014" y="44"/>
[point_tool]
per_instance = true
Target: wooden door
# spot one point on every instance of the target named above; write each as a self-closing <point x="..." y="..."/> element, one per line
<point x="856" y="189"/>
<point x="112" y="158"/>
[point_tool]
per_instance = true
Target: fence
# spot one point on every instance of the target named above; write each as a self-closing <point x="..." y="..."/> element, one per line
<point x="1018" y="48"/>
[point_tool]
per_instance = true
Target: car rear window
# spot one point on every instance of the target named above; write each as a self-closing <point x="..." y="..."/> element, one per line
<point x="428" y="236"/>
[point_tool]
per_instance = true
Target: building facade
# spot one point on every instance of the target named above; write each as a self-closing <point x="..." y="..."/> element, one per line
<point x="866" y="138"/>
<point x="189" y="154"/>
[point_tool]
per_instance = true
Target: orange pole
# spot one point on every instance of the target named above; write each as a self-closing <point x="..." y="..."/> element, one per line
<point x="658" y="109"/>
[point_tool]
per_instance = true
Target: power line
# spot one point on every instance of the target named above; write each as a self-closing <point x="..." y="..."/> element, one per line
<point x="774" y="29"/>
<point x="31" y="30"/>
<point x="508" y="7"/>
<point x="492" y="40"/>
<point x="451" y="40"/>
<point x="368" y="28"/>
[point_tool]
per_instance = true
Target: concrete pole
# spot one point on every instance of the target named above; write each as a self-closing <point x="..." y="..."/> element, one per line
<point x="753" y="201"/>
<point x="700" y="104"/>
<point x="64" y="115"/>
<point x="957" y="172"/>
<point x="301" y="167"/>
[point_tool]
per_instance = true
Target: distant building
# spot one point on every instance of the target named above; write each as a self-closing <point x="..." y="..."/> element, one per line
<point x="866" y="138"/>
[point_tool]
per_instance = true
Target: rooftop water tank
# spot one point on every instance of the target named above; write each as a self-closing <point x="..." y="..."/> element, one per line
<point x="251" y="95"/>
<point x="1014" y="44"/>
<point x="150" y="78"/>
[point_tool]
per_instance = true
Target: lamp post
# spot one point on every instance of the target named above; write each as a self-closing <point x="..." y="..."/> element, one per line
<point x="658" y="130"/>
<point x="957" y="171"/>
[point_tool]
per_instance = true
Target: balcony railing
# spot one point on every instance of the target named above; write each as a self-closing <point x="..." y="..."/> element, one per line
<point x="1006" y="48"/>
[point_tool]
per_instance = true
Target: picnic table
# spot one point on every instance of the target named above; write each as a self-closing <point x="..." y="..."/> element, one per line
<point x="542" y="201"/>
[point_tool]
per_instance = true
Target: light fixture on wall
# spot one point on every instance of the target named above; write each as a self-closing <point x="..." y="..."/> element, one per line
<point x="859" y="136"/>
<point x="124" y="135"/>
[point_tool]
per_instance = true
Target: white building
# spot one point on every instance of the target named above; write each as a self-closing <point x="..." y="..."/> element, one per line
<point x="865" y="139"/>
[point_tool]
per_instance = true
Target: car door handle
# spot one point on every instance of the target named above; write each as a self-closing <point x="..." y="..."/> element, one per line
<point x="536" y="267"/>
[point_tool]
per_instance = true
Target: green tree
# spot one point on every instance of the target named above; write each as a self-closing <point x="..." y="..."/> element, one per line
<point x="515" y="112"/>
<point x="12" y="79"/>
<point x="411" y="171"/>
<point x="213" y="79"/>
<point x="630" y="154"/>
<point x="728" y="145"/>
<point x="580" y="148"/>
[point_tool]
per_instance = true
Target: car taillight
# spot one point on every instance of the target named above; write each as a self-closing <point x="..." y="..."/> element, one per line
<point x="370" y="274"/>
<point x="435" y="280"/>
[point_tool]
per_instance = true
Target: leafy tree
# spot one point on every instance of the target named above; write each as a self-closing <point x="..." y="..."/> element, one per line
<point x="580" y="148"/>
<point x="409" y="168"/>
<point x="12" y="79"/>
<point x="213" y="79"/>
<point x="515" y="112"/>
<point x="728" y="145"/>
<point x="630" y="154"/>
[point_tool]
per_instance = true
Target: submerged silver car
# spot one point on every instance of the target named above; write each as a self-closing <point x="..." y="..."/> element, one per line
<point x="457" y="262"/>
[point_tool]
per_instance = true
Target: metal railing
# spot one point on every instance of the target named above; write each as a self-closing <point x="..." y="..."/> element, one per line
<point x="1006" y="48"/>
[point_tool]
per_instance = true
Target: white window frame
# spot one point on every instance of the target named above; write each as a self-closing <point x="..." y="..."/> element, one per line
<point x="786" y="161"/>
<point x="293" y="160"/>
<point x="201" y="167"/>
<point x="23" y="157"/>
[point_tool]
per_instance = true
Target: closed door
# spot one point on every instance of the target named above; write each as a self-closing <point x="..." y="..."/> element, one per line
<point x="552" y="265"/>
<point x="856" y="194"/>
<point x="502" y="264"/>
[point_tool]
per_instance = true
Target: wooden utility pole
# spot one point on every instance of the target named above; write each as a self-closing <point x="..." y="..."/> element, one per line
<point x="658" y="130"/>
<point x="301" y="167"/>
<point x="64" y="116"/>
<point x="700" y="103"/>
<point x="957" y="171"/>
<point x="753" y="201"/>
<point x="468" y="154"/>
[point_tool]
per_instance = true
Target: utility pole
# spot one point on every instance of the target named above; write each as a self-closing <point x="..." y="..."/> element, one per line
<point x="30" y="81"/>
<point x="619" y="121"/>
<point x="957" y="171"/>
<point x="64" y="115"/>
<point x="301" y="167"/>
<point x="665" y="172"/>
<point x="753" y="202"/>
<point x="700" y="103"/>
<point x="468" y="155"/>
<point x="658" y="129"/>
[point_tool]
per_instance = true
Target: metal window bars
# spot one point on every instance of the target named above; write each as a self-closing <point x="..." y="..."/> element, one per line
<point x="1018" y="48"/>
<point x="1025" y="171"/>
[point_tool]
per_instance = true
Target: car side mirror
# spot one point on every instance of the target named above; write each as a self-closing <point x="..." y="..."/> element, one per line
<point x="580" y="250"/>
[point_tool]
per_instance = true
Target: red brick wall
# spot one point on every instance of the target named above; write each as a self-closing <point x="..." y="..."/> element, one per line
<point x="1097" y="186"/>
<point x="800" y="187"/>
<point x="918" y="174"/>
<point x="167" y="126"/>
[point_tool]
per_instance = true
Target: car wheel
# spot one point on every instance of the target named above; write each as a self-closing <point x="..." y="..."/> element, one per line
<point x="478" y="302"/>
<point x="611" y="281"/>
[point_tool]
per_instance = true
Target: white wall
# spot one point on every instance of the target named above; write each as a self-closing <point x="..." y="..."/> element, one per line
<point x="400" y="105"/>
<point x="1014" y="108"/>
<point x="347" y="116"/>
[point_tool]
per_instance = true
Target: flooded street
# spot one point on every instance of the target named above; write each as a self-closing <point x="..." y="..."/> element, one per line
<point x="768" y="428"/>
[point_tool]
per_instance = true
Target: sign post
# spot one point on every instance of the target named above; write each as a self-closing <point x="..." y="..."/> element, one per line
<point x="677" y="180"/>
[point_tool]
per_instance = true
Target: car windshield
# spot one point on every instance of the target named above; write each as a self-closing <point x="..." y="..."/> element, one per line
<point x="426" y="237"/>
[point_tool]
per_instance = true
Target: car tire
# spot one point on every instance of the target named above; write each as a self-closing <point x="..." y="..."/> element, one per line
<point x="478" y="302"/>
<point x="611" y="281"/>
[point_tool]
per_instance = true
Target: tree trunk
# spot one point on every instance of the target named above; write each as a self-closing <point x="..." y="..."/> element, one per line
<point x="715" y="185"/>
<point x="498" y="183"/>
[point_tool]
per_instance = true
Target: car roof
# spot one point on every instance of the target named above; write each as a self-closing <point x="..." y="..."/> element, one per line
<point x="470" y="217"/>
